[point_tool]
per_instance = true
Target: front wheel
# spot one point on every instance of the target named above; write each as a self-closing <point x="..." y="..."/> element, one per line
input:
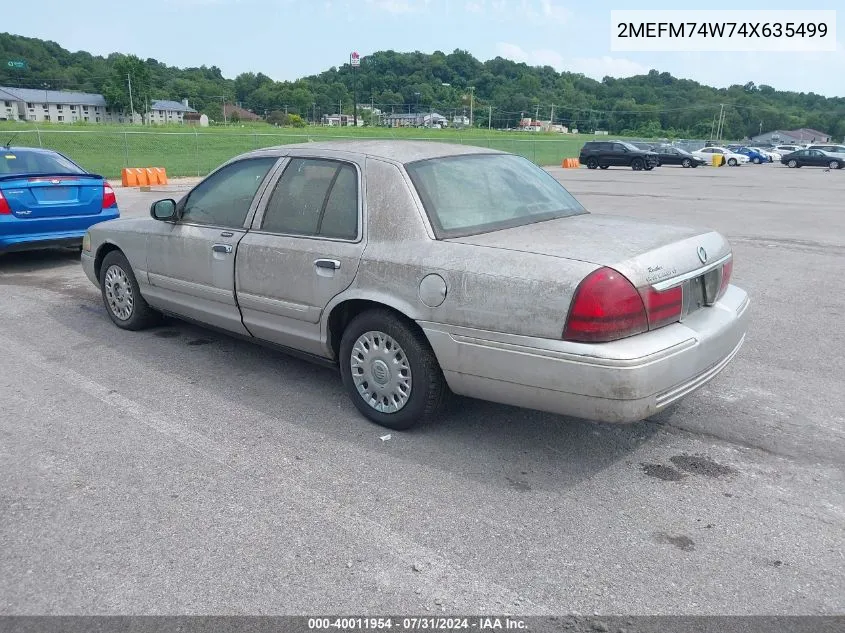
<point x="686" y="163"/>
<point x="834" y="164"/>
<point x="756" y="161"/>
<point x="637" y="164"/>
<point x="732" y="162"/>
<point x="390" y="371"/>
<point x="126" y="307"/>
<point x="603" y="166"/>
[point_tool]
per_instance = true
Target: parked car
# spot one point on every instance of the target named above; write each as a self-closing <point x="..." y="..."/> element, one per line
<point x="731" y="158"/>
<point x="830" y="149"/>
<point x="669" y="155"/>
<point x="420" y="268"/>
<point x="753" y="155"/>
<point x="770" y="154"/>
<point x="606" y="154"/>
<point x="48" y="200"/>
<point x="813" y="158"/>
<point x="788" y="149"/>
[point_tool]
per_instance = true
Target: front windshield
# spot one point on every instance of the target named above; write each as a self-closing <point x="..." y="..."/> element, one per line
<point x="476" y="193"/>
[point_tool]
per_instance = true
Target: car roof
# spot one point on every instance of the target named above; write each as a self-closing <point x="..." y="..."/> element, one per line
<point x="400" y="151"/>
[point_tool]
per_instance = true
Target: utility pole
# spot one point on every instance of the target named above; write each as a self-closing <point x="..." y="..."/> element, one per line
<point x="223" y="102"/>
<point x="471" y="97"/>
<point x="489" y="117"/>
<point x="721" y="122"/>
<point x="552" y="115"/>
<point x="537" y="116"/>
<point x="131" y="105"/>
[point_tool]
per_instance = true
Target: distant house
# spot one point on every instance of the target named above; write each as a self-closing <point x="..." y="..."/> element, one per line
<point x="164" y="112"/>
<point x="242" y="114"/>
<point x="341" y="120"/>
<point x="28" y="104"/>
<point x="460" y="120"/>
<point x="421" y="119"/>
<point x="801" y="135"/>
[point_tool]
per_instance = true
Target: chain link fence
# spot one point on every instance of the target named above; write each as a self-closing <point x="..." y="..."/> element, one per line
<point x="196" y="153"/>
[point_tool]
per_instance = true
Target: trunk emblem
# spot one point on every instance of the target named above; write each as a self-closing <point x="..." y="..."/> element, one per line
<point x="702" y="254"/>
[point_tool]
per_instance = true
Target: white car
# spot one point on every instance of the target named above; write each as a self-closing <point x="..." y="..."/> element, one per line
<point x="731" y="158"/>
<point x="788" y="149"/>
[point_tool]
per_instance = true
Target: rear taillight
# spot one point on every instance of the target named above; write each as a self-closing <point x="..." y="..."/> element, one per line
<point x="109" y="199"/>
<point x="4" y="206"/>
<point x="606" y="307"/>
<point x="727" y="269"/>
<point x="663" y="307"/>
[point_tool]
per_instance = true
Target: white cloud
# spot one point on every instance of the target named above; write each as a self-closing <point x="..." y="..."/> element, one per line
<point x="555" y="12"/>
<point x="595" y="67"/>
<point x="395" y="7"/>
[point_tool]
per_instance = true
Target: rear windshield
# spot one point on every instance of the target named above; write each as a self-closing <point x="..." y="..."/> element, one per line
<point x="25" y="162"/>
<point x="470" y="194"/>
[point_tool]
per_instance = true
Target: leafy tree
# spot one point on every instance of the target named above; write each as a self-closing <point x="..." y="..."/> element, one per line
<point x="128" y="70"/>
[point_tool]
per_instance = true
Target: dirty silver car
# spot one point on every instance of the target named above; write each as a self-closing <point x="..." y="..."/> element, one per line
<point x="422" y="269"/>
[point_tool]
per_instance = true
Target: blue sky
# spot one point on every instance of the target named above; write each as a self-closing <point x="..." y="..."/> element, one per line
<point x="286" y="39"/>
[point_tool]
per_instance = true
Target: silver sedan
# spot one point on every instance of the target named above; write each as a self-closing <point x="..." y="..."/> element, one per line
<point x="422" y="269"/>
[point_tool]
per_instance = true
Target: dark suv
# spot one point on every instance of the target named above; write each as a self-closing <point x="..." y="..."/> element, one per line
<point x="606" y="154"/>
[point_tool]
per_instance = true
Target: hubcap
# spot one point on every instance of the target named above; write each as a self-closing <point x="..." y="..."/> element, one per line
<point x="119" y="293"/>
<point x="381" y="372"/>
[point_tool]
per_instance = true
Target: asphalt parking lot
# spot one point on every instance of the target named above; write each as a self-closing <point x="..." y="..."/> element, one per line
<point x="178" y="470"/>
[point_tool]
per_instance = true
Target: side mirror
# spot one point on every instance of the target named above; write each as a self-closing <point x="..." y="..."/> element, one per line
<point x="164" y="210"/>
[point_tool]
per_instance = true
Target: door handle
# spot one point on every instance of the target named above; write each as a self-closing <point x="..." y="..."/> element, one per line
<point x="226" y="234"/>
<point x="222" y="248"/>
<point x="331" y="264"/>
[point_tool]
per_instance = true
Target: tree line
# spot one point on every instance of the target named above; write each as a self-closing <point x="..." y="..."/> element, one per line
<point x="499" y="91"/>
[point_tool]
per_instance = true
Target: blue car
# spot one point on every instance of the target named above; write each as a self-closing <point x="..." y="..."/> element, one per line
<point x="48" y="200"/>
<point x="753" y="155"/>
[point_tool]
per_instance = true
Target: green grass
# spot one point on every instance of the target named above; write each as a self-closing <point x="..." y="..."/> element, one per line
<point x="187" y="151"/>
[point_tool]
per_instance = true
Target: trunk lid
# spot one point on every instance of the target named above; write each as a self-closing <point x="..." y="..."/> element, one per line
<point x="32" y="197"/>
<point x="645" y="252"/>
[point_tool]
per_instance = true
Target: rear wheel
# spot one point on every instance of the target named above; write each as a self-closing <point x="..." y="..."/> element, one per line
<point x="592" y="163"/>
<point x="122" y="296"/>
<point x="792" y="163"/>
<point x="637" y="164"/>
<point x="390" y="371"/>
<point x="603" y="166"/>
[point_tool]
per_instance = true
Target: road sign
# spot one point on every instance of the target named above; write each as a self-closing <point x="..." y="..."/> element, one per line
<point x="355" y="59"/>
<point x="17" y="64"/>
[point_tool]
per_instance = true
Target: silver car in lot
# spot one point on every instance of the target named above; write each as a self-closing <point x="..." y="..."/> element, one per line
<point x="424" y="268"/>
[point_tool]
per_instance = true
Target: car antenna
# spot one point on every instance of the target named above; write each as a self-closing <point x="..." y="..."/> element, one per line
<point x="9" y="142"/>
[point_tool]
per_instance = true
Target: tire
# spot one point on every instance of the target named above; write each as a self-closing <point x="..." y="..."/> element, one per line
<point x="756" y="161"/>
<point x="686" y="163"/>
<point x="637" y="164"/>
<point x="792" y="163"/>
<point x="134" y="315"/>
<point x="365" y="351"/>
<point x="649" y="167"/>
<point x="592" y="163"/>
<point x="732" y="162"/>
<point x="834" y="164"/>
<point x="603" y="166"/>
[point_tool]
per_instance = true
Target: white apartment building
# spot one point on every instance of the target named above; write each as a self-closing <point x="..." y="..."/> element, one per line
<point x="163" y="112"/>
<point x="28" y="104"/>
